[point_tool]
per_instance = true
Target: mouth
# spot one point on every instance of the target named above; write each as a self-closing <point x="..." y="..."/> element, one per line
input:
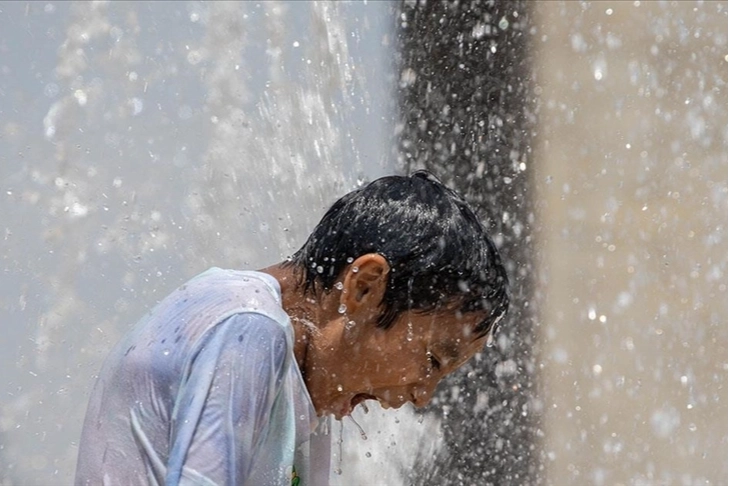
<point x="361" y="397"/>
<point x="346" y="408"/>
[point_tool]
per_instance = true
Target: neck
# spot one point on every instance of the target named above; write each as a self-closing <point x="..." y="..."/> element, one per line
<point x="302" y="309"/>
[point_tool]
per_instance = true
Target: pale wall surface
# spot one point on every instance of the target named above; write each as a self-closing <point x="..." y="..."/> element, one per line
<point x="631" y="179"/>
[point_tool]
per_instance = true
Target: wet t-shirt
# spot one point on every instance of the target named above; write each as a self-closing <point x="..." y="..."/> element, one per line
<point x="205" y="390"/>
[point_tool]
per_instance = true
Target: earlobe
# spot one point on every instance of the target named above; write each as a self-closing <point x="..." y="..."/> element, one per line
<point x="365" y="282"/>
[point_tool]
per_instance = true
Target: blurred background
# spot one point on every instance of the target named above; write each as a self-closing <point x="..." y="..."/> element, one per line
<point x="141" y="143"/>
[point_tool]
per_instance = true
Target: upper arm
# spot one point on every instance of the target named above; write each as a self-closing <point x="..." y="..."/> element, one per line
<point x="222" y="410"/>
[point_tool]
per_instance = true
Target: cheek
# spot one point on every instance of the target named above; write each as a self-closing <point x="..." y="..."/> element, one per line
<point x="396" y="373"/>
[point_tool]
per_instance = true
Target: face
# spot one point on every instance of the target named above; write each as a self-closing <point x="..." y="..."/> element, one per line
<point x="394" y="366"/>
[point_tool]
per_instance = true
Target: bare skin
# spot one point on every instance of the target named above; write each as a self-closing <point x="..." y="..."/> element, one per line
<point x="346" y="359"/>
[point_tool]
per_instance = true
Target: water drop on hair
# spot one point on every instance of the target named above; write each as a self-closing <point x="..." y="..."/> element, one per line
<point x="490" y="340"/>
<point x="339" y="285"/>
<point x="319" y="269"/>
<point x="342" y="309"/>
<point x="355" y="269"/>
<point x="339" y="388"/>
<point x="350" y="259"/>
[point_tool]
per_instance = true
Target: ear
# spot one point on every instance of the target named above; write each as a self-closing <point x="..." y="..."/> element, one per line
<point x="365" y="282"/>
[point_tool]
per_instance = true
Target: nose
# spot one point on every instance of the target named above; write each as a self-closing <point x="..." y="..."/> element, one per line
<point x="421" y="395"/>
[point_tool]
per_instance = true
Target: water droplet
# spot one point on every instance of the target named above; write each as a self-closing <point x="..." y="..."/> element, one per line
<point x="339" y="285"/>
<point x="80" y="96"/>
<point x="166" y="352"/>
<point x="51" y="90"/>
<point x="339" y="388"/>
<point x="368" y="454"/>
<point x="361" y="431"/>
<point x="137" y="105"/>
<point x="342" y="308"/>
<point x="355" y="269"/>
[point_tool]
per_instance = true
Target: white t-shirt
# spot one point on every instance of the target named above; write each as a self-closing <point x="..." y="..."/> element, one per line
<point x="205" y="390"/>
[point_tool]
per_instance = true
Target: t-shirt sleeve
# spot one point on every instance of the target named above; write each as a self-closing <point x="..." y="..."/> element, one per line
<point x="221" y="414"/>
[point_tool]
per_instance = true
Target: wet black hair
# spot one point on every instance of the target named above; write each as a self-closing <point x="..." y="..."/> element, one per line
<point x="439" y="253"/>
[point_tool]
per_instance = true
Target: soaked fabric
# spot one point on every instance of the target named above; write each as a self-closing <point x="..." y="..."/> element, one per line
<point x="205" y="390"/>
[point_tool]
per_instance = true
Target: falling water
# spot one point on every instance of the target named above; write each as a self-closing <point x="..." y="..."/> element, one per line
<point x="144" y="142"/>
<point x="141" y="143"/>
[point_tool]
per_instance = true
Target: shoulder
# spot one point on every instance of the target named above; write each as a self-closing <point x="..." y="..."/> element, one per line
<point x="252" y="334"/>
<point x="254" y="324"/>
<point x="235" y="290"/>
<point x="248" y="346"/>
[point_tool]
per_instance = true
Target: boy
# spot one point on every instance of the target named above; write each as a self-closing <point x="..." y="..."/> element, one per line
<point x="223" y="381"/>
